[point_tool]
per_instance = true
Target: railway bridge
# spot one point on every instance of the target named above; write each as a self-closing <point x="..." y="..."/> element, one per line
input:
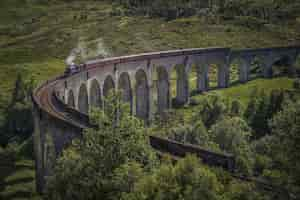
<point x="61" y="105"/>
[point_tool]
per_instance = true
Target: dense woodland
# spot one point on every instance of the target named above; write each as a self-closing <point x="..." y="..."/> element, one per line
<point x="115" y="161"/>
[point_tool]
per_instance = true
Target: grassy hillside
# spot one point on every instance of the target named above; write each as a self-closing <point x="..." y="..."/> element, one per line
<point x="239" y="92"/>
<point x="17" y="175"/>
<point x="243" y="92"/>
<point x="35" y="39"/>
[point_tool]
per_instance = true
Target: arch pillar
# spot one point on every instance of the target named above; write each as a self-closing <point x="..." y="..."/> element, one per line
<point x="163" y="90"/>
<point x="198" y="76"/>
<point x="83" y="102"/>
<point x="182" y="84"/>
<point x="151" y="99"/>
<point x="203" y="82"/>
<point x="133" y="84"/>
<point x="70" y="99"/>
<point x="267" y="68"/>
<point x="124" y="85"/>
<point x="244" y="69"/>
<point x="223" y="75"/>
<point x="38" y="149"/>
<point x="143" y="93"/>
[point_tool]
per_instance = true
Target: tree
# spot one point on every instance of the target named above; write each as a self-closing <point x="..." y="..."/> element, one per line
<point x="242" y="191"/>
<point x="213" y="109"/>
<point x="235" y="108"/>
<point x="92" y="166"/>
<point x="261" y="109"/>
<point x="196" y="135"/>
<point x="233" y="136"/>
<point x="286" y="128"/>
<point x="188" y="180"/>
<point x="18" y="121"/>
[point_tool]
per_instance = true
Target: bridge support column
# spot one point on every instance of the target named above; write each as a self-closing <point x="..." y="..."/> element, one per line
<point x="203" y="83"/>
<point x="223" y="76"/>
<point x="163" y="95"/>
<point x="198" y="77"/>
<point x="267" y="70"/>
<point x="38" y="150"/>
<point x="267" y="65"/>
<point x="151" y="102"/>
<point x="244" y="70"/>
<point x="182" y="85"/>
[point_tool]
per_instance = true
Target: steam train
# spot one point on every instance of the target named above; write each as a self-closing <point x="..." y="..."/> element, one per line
<point x="73" y="68"/>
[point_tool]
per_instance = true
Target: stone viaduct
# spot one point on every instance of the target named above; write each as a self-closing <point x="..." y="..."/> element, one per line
<point x="61" y="105"/>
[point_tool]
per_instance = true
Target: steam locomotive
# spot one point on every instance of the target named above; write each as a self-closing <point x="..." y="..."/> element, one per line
<point x="73" y="68"/>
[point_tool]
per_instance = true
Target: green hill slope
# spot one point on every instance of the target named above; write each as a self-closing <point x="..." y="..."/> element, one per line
<point x="35" y="39"/>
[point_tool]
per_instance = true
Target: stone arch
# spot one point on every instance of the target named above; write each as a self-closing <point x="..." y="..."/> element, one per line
<point x="163" y="89"/>
<point x="108" y="85"/>
<point x="71" y="99"/>
<point x="213" y="75"/>
<point x="223" y="74"/>
<point x="83" y="101"/>
<point x="281" y="66"/>
<point x="142" y="95"/>
<point x="194" y="78"/>
<point x="173" y="84"/>
<point x="182" y="85"/>
<point x="95" y="94"/>
<point x="238" y="71"/>
<point x="124" y="85"/>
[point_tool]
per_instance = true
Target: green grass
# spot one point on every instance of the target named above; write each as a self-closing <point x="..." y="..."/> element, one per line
<point x="240" y="92"/>
<point x="17" y="178"/>
<point x="243" y="92"/>
<point x="36" y="38"/>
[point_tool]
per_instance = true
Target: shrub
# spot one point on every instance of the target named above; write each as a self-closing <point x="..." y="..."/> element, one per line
<point x="194" y="102"/>
<point x="196" y="135"/>
<point x="296" y="84"/>
<point x="262" y="163"/>
<point x="187" y="179"/>
<point x="249" y="22"/>
<point x="212" y="109"/>
<point x="233" y="136"/>
<point x="236" y="109"/>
